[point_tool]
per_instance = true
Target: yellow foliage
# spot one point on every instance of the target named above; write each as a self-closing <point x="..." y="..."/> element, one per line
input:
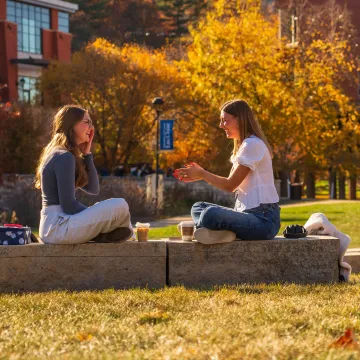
<point x="117" y="85"/>
<point x="297" y="93"/>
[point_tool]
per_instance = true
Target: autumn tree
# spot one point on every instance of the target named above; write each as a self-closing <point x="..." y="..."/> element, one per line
<point x="235" y="53"/>
<point x="116" y="85"/>
<point x="178" y="15"/>
<point x="325" y="39"/>
<point x="118" y="21"/>
<point x="294" y="91"/>
<point x="88" y="21"/>
<point x="23" y="133"/>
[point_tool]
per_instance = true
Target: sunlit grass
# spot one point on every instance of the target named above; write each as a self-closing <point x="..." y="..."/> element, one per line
<point x="242" y="322"/>
<point x="322" y="189"/>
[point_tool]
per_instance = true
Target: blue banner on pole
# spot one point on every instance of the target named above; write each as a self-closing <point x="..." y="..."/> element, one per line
<point x="166" y="135"/>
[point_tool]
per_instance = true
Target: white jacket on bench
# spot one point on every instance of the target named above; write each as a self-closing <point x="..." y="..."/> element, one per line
<point x="319" y="224"/>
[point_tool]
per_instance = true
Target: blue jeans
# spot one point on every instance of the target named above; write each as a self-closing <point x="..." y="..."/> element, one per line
<point x="260" y="223"/>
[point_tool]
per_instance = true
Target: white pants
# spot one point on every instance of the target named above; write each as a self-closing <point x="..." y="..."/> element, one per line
<point x="56" y="227"/>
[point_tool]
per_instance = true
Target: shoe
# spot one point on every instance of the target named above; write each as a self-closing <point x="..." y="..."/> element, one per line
<point x="208" y="237"/>
<point x="116" y="236"/>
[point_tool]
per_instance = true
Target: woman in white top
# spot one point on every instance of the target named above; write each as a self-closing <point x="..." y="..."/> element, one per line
<point x="256" y="215"/>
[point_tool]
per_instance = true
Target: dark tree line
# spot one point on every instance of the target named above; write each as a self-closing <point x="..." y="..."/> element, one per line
<point x="147" y="22"/>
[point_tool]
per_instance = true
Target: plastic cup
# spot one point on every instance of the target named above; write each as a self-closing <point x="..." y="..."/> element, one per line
<point x="142" y="231"/>
<point x="187" y="229"/>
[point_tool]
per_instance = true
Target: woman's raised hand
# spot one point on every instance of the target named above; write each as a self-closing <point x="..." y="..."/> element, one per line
<point x="190" y="173"/>
<point x="85" y="147"/>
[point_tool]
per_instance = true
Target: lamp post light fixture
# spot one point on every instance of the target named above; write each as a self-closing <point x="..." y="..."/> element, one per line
<point x="158" y="102"/>
<point x="20" y="84"/>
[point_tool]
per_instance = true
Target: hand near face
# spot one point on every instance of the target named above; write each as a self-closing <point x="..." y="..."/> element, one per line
<point x="85" y="147"/>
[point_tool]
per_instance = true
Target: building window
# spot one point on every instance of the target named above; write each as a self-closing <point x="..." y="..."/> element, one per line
<point x="30" y="19"/>
<point x="63" y="22"/>
<point x="27" y="89"/>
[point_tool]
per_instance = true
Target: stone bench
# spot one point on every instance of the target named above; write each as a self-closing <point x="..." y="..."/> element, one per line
<point x="155" y="264"/>
<point x="303" y="261"/>
<point x="40" y="267"/>
<point x="352" y="257"/>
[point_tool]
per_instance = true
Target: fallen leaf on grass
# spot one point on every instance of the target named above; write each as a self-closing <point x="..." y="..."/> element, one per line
<point x="348" y="341"/>
<point x="84" y="337"/>
<point x="154" y="317"/>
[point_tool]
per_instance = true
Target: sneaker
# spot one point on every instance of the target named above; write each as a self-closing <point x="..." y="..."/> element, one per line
<point x="116" y="236"/>
<point x="208" y="237"/>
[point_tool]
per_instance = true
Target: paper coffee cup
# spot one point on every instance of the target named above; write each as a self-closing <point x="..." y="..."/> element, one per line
<point x="142" y="231"/>
<point x="187" y="229"/>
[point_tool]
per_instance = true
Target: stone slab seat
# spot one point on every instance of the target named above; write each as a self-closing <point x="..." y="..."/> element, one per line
<point x="155" y="264"/>
<point x="41" y="267"/>
<point x="305" y="261"/>
<point x="352" y="257"/>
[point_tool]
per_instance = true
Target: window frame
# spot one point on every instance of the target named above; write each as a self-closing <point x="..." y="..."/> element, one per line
<point x="64" y="16"/>
<point x="29" y="88"/>
<point x="31" y="19"/>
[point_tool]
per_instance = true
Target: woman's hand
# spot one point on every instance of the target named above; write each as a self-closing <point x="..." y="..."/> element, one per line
<point x="192" y="172"/>
<point x="85" y="147"/>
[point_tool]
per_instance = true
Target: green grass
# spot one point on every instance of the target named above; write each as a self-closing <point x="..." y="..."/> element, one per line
<point x="240" y="322"/>
<point x="322" y="189"/>
<point x="164" y="232"/>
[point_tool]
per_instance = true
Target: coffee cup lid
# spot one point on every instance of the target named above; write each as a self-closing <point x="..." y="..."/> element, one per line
<point x="187" y="223"/>
<point x="142" y="225"/>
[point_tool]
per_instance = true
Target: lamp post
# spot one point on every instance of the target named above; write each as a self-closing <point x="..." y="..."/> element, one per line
<point x="158" y="102"/>
<point x="22" y="84"/>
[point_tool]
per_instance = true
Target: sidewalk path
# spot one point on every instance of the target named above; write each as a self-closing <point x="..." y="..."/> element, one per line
<point x="175" y="220"/>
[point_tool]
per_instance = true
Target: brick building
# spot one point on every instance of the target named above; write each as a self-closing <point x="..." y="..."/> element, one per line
<point x="32" y="32"/>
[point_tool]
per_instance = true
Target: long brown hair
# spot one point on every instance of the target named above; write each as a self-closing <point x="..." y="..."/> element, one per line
<point x="248" y="124"/>
<point x="63" y="138"/>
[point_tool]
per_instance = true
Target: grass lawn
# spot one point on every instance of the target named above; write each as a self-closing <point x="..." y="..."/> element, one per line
<point x="322" y="189"/>
<point x="345" y="216"/>
<point x="242" y="322"/>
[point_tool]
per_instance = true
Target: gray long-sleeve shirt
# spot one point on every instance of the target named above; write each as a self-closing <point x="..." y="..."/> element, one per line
<point x="58" y="181"/>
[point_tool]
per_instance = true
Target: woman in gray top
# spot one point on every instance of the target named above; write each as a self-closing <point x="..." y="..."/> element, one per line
<point x="65" y="164"/>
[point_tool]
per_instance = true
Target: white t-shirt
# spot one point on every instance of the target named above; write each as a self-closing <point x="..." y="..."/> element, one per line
<point x="258" y="187"/>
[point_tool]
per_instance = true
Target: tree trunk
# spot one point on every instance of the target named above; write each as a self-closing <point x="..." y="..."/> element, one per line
<point x="342" y="180"/>
<point x="284" y="176"/>
<point x="310" y="185"/>
<point x="352" y="189"/>
<point x="104" y="156"/>
<point x="297" y="176"/>
<point x="332" y="184"/>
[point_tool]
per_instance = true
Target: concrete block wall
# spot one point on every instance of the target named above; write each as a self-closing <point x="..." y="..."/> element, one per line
<point x="155" y="264"/>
